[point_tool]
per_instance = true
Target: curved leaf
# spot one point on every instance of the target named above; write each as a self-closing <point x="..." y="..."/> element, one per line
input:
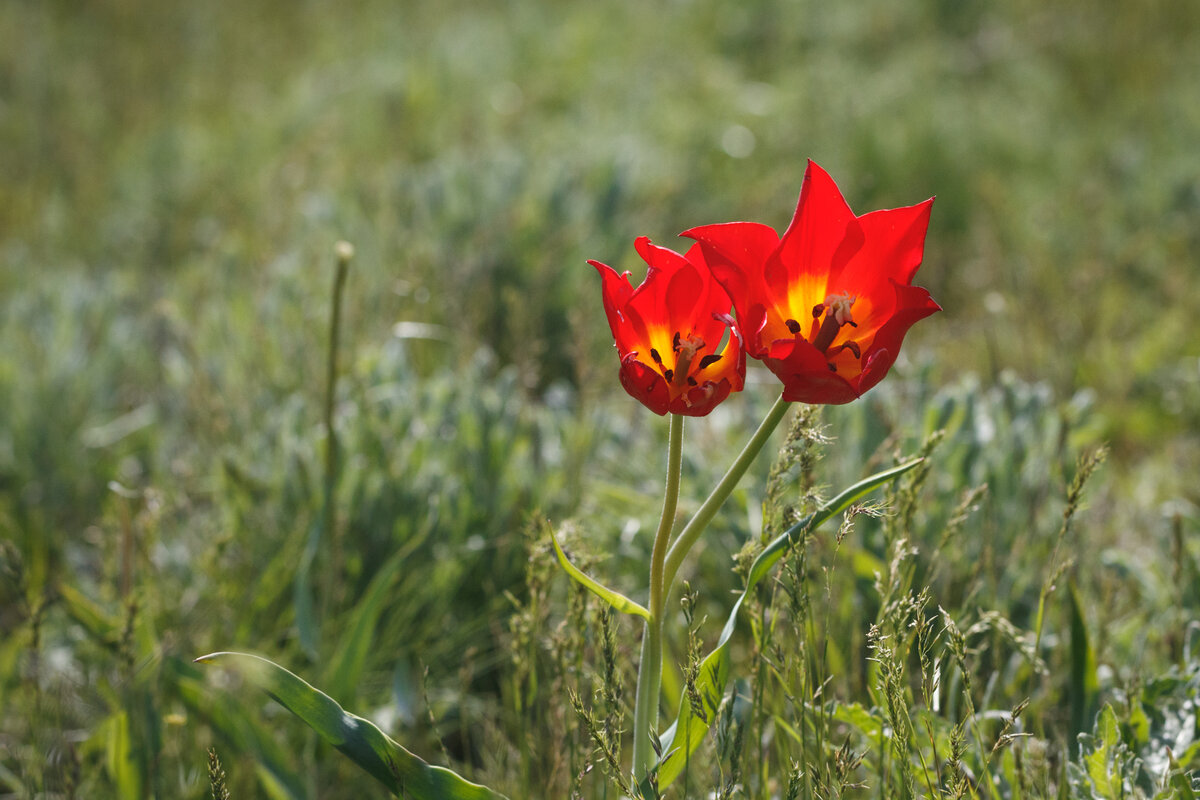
<point x="233" y="721"/>
<point x="615" y="599"/>
<point x="402" y="772"/>
<point x="685" y="735"/>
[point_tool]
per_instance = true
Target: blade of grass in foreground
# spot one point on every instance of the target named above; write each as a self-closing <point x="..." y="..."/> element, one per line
<point x="689" y="730"/>
<point x="404" y="773"/>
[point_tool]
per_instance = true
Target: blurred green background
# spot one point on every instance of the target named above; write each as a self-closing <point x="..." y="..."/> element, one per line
<point x="173" y="177"/>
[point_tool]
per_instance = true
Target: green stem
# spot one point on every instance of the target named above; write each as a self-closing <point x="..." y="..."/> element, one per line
<point x="671" y="497"/>
<point x="664" y="564"/>
<point x="645" y="714"/>
<point x="344" y="253"/>
<point x="691" y="532"/>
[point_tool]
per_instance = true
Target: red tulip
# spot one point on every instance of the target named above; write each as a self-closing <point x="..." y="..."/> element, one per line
<point x="669" y="332"/>
<point x="826" y="306"/>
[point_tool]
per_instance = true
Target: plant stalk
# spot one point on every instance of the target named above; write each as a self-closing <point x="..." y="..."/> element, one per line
<point x="649" y="681"/>
<point x="691" y="532"/>
<point x="664" y="565"/>
<point x="344" y="252"/>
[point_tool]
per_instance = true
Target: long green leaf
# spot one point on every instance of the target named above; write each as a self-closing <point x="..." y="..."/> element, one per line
<point x="302" y="592"/>
<point x="349" y="659"/>
<point x="87" y="613"/>
<point x="1085" y="683"/>
<point x="234" y="722"/>
<point x="123" y="765"/>
<point x="615" y="599"/>
<point x="689" y="730"/>
<point x="401" y="771"/>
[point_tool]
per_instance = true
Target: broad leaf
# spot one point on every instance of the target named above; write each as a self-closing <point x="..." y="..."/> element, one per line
<point x="402" y="772"/>
<point x="234" y="722"/>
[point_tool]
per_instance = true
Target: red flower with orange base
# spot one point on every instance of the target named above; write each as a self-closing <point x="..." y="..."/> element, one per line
<point x="669" y="332"/>
<point x="826" y="306"/>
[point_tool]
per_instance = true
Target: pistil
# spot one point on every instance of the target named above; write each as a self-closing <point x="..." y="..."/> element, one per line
<point x="685" y="351"/>
<point x="836" y="309"/>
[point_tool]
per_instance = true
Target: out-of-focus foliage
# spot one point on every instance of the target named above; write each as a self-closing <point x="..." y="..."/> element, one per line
<point x="172" y="179"/>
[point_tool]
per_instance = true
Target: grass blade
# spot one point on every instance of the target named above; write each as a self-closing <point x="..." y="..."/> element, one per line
<point x="350" y="658"/>
<point x="401" y="771"/>
<point x="121" y="758"/>
<point x="1084" y="683"/>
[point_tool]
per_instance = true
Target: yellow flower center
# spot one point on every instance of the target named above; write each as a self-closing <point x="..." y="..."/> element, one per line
<point x="680" y="377"/>
<point x="829" y="317"/>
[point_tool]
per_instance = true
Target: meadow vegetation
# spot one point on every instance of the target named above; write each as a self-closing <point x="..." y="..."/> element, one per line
<point x="1019" y="617"/>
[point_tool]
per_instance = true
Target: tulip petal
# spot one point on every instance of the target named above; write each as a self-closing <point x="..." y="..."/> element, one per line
<point x="711" y="326"/>
<point x="912" y="304"/>
<point x="677" y="305"/>
<point x="615" y="291"/>
<point x="644" y="384"/>
<point x="729" y="249"/>
<point x="823" y="236"/>
<point x="680" y="350"/>
<point x="734" y="252"/>
<point x="804" y="371"/>
<point x="893" y="250"/>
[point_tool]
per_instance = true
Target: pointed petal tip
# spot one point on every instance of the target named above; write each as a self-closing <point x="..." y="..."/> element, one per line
<point x="697" y="232"/>
<point x="608" y="273"/>
<point x="644" y="247"/>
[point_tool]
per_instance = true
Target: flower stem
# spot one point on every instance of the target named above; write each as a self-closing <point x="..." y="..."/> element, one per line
<point x="645" y="714"/>
<point x="664" y="564"/>
<point x="691" y="532"/>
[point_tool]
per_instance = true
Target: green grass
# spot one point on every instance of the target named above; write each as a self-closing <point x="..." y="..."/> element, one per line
<point x="173" y="178"/>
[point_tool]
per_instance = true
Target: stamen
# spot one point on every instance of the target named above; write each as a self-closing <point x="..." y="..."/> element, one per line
<point x="818" y="310"/>
<point x="709" y="360"/>
<point x="793" y="326"/>
<point x="657" y="358"/>
<point x="675" y="342"/>
<point x="851" y="346"/>
<point x="669" y="375"/>
<point x="692" y="381"/>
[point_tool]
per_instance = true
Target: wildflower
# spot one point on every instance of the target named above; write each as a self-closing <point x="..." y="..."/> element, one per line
<point x="680" y="350"/>
<point x="826" y="305"/>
